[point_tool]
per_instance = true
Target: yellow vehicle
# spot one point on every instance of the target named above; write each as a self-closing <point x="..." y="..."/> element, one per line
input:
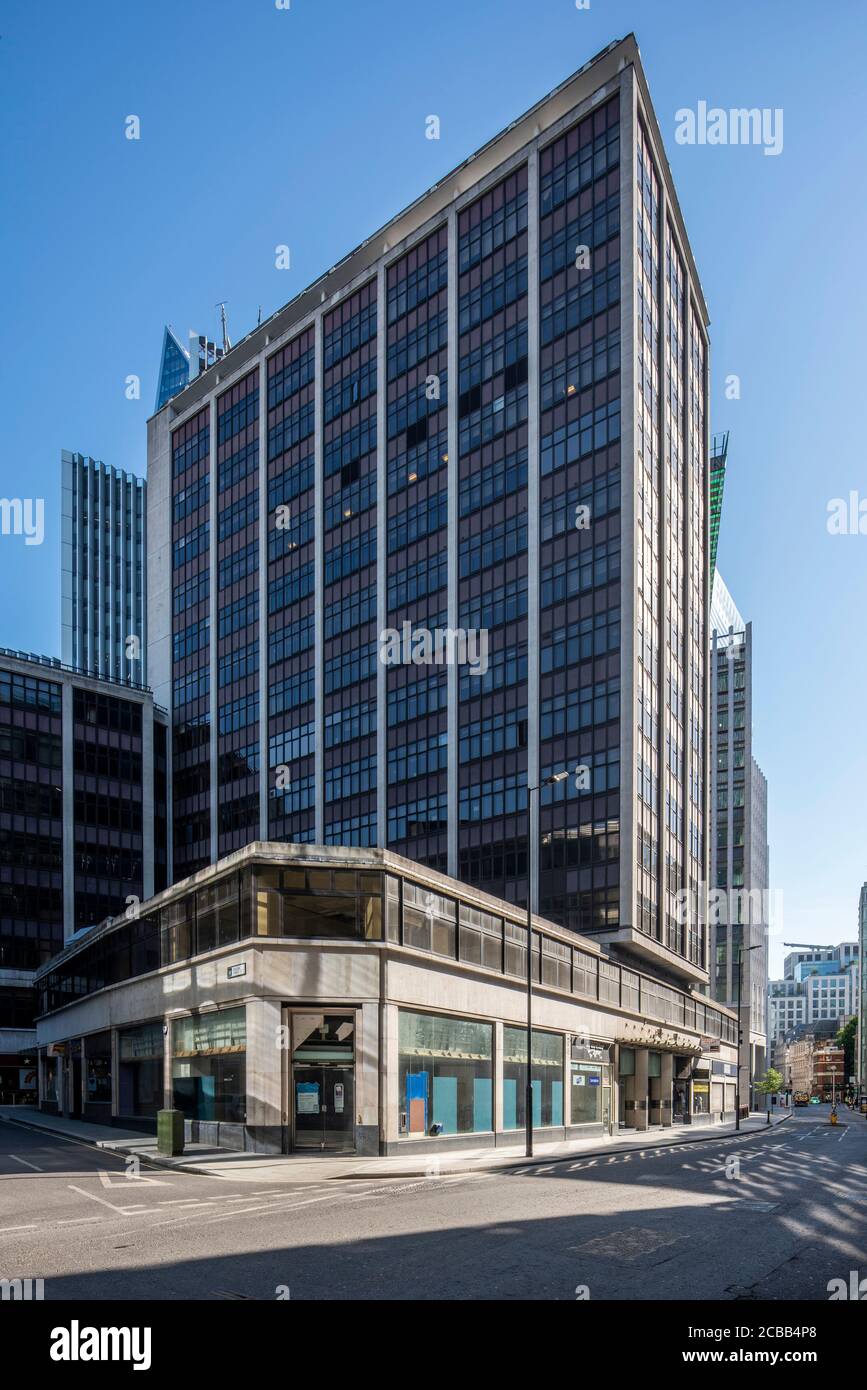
<point x="801" y="1098"/>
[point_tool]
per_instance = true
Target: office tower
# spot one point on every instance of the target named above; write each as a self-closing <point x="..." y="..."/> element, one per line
<point x="82" y="816"/>
<point x="103" y="613"/>
<point x="738" y="909"/>
<point x="819" y="985"/>
<point x="861" y="1041"/>
<point x="718" y="459"/>
<point x="174" y="368"/>
<point x="489" y="420"/>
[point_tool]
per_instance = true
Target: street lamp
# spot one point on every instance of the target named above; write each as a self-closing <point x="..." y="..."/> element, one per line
<point x="528" y="1101"/>
<point x="741" y="954"/>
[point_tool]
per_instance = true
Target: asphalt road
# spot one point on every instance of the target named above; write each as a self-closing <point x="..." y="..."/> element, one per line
<point x="770" y="1216"/>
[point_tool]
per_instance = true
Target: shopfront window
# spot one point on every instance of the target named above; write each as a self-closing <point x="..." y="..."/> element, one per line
<point x="546" y="1078"/>
<point x="140" y="1069"/>
<point x="49" y="1080"/>
<point x="98" y="1059"/>
<point x="587" y="1089"/>
<point x="700" y="1097"/>
<point x="446" y="1075"/>
<point x="209" y="1058"/>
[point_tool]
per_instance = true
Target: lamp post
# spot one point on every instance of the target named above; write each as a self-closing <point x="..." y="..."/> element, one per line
<point x="741" y="954"/>
<point x="528" y="1095"/>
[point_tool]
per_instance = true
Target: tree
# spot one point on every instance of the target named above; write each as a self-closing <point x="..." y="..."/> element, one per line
<point x="846" y="1039"/>
<point x="770" y="1083"/>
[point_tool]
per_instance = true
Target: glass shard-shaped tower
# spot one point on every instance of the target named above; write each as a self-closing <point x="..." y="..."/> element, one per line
<point x="490" y="418"/>
<point x="174" y="369"/>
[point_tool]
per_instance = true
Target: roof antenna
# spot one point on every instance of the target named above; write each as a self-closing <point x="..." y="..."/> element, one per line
<point x="259" y="319"/>
<point x="225" y="326"/>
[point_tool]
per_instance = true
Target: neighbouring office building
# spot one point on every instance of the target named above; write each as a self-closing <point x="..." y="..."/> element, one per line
<point x="298" y="997"/>
<point x="103" y="615"/>
<point x="820" y="984"/>
<point x="738" y="912"/>
<point x="488" y="420"/>
<point x="861" y="1041"/>
<point x="82" y="821"/>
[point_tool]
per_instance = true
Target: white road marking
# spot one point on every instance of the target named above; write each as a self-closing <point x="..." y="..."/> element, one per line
<point x="26" y="1162"/>
<point x="4" y="1230"/>
<point x="270" y="1206"/>
<point x="122" y="1211"/>
<point x="105" y="1179"/>
<point x="78" y="1220"/>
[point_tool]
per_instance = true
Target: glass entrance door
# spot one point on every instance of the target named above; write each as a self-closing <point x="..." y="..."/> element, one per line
<point x="324" y="1108"/>
<point x="323" y="1081"/>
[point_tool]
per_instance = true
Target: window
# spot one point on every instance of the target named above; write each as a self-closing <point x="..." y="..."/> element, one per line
<point x="446" y="1076"/>
<point x="546" y="1078"/>
<point x="140" y="1075"/>
<point x="428" y="920"/>
<point x="481" y="938"/>
<point x="209" y="1072"/>
<point x="217" y="914"/>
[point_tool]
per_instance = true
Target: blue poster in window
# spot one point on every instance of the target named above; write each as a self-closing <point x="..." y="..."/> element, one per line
<point x="307" y="1098"/>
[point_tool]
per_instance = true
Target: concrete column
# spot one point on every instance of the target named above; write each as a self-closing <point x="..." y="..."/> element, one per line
<point x="264" y="1075"/>
<point x="639" y="1090"/>
<point x="628" y="125"/>
<point x="452" y="487"/>
<point x="264" y="530"/>
<point x="381" y="556"/>
<point x="213" y="607"/>
<point x="68" y="793"/>
<point x="319" y="605"/>
<point x="115" y="1073"/>
<point x="533" y="461"/>
<point x="389" y="1077"/>
<point x="147" y="806"/>
<point x="665" y="1084"/>
<point x="498" y="1078"/>
<point x="367" y="1078"/>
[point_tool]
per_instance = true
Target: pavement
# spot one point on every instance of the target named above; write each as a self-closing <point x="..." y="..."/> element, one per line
<point x="295" y="1168"/>
<point x="775" y="1213"/>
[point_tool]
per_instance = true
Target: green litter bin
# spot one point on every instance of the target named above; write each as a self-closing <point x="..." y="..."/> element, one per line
<point x="170" y="1132"/>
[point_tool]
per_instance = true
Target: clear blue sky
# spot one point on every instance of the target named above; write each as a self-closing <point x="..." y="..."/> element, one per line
<point x="306" y="126"/>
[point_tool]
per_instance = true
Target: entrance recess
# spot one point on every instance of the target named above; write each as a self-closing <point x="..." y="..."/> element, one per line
<point x="323" y="1081"/>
